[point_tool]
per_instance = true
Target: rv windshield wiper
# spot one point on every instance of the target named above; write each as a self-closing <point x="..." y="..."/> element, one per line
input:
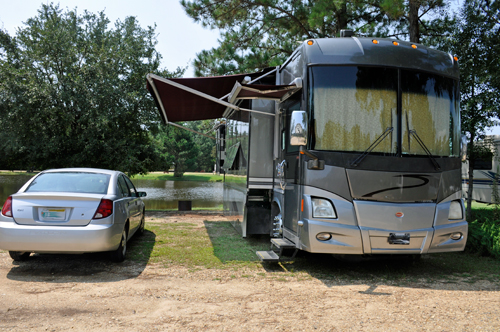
<point x="356" y="162"/>
<point x="413" y="132"/>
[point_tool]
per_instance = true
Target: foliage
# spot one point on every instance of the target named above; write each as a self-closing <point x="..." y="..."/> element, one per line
<point x="178" y="148"/>
<point x="484" y="237"/>
<point x="185" y="150"/>
<point x="72" y="92"/>
<point x="206" y="158"/>
<point x="263" y="33"/>
<point x="427" y="21"/>
<point x="476" y="44"/>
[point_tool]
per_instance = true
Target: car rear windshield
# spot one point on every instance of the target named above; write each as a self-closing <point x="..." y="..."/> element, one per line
<point x="72" y="182"/>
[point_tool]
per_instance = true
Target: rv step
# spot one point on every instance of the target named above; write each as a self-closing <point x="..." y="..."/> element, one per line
<point x="268" y="256"/>
<point x="282" y="243"/>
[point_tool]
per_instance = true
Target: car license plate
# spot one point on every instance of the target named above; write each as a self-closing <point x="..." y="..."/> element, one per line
<point x="52" y="214"/>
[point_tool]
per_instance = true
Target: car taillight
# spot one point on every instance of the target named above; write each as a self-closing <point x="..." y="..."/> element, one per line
<point x="105" y="209"/>
<point x="7" y="207"/>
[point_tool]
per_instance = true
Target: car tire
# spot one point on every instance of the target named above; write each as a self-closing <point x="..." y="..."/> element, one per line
<point x="143" y="223"/>
<point x="19" y="255"/>
<point x="119" y="254"/>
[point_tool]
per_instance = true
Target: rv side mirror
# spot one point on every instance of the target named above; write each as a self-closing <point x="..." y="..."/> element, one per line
<point x="298" y="128"/>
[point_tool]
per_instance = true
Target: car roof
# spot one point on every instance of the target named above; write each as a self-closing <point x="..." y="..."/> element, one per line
<point x="82" y="169"/>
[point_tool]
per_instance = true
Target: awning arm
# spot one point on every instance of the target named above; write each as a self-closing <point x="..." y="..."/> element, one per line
<point x="193" y="91"/>
<point x="254" y="80"/>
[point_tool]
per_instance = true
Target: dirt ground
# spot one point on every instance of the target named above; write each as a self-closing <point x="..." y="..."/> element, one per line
<point x="86" y="293"/>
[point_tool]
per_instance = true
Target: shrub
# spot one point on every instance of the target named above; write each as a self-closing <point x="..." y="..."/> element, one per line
<point x="484" y="237"/>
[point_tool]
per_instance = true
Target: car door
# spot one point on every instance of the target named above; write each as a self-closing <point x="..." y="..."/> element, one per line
<point x="126" y="198"/>
<point x="134" y="205"/>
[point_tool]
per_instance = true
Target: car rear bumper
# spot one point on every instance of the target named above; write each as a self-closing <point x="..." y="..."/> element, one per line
<point x="54" y="239"/>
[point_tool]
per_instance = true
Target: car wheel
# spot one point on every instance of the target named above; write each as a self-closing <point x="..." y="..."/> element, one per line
<point x="119" y="254"/>
<point x="19" y="255"/>
<point x="143" y="223"/>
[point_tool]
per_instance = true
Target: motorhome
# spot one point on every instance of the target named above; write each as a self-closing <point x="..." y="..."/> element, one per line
<point x="485" y="173"/>
<point x="351" y="146"/>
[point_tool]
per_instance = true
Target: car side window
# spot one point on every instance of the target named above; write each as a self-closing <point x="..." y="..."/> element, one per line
<point x="133" y="192"/>
<point x="122" y="185"/>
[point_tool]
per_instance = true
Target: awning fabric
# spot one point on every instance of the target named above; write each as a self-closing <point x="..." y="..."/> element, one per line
<point x="180" y="105"/>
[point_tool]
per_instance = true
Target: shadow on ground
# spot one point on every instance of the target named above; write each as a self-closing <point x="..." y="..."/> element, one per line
<point x="92" y="267"/>
<point x="451" y="271"/>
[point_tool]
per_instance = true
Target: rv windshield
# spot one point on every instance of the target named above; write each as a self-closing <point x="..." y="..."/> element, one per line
<point x="352" y="105"/>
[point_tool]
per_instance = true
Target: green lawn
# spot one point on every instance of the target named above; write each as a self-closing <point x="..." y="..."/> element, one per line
<point x="205" y="177"/>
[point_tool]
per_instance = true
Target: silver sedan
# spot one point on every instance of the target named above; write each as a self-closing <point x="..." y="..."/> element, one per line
<point x="72" y="210"/>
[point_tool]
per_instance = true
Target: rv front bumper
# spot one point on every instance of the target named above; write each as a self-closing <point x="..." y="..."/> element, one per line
<point x="326" y="237"/>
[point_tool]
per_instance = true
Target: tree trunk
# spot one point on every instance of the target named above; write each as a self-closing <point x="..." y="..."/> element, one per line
<point x="341" y="17"/>
<point x="413" y="20"/>
<point x="471" y="179"/>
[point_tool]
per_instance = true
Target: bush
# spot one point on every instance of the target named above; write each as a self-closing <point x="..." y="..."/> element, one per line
<point x="484" y="237"/>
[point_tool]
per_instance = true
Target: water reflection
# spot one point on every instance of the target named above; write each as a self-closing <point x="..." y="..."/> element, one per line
<point x="10" y="184"/>
<point x="162" y="195"/>
<point x="166" y="194"/>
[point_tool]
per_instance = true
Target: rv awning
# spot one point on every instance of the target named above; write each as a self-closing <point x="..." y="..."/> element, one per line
<point x="258" y="91"/>
<point x="177" y="104"/>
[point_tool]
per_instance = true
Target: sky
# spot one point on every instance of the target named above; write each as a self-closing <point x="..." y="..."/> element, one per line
<point x="179" y="37"/>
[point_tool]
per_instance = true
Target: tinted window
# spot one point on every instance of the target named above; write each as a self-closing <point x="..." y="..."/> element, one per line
<point x="352" y="107"/>
<point x="430" y="108"/>
<point x="75" y="182"/>
<point x="123" y="186"/>
<point x="131" y="187"/>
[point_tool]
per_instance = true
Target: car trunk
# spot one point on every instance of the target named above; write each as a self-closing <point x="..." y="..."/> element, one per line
<point x="54" y="209"/>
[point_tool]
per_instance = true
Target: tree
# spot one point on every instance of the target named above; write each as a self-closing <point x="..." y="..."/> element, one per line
<point x="73" y="92"/>
<point x="418" y="21"/>
<point x="261" y="33"/>
<point x="477" y="46"/>
<point x="176" y="147"/>
<point x="206" y="158"/>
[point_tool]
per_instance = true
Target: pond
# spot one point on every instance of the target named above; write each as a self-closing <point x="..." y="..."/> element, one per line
<point x="162" y="195"/>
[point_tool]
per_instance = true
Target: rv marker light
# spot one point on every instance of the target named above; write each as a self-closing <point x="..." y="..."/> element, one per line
<point x="324" y="236"/>
<point x="375" y="41"/>
<point x="414" y="46"/>
<point x="310" y="42"/>
<point x="456" y="236"/>
<point x="395" y="43"/>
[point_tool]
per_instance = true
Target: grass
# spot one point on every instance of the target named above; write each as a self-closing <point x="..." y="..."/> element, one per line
<point x="204" y="177"/>
<point x="219" y="207"/>
<point x="17" y="173"/>
<point x="218" y="246"/>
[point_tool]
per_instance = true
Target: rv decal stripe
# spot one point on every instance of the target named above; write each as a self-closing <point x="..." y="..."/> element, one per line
<point x="424" y="179"/>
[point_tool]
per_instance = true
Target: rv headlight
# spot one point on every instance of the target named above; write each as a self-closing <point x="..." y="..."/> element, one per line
<point x="322" y="208"/>
<point x="455" y="210"/>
